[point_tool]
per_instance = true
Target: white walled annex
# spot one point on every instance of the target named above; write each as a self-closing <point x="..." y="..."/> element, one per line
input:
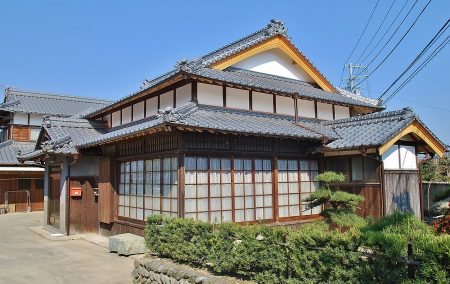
<point x="184" y="95"/>
<point x="306" y="108"/>
<point x="400" y="157"/>
<point x="237" y="98"/>
<point x="209" y="94"/>
<point x="262" y="102"/>
<point x="324" y="111"/>
<point x="274" y="62"/>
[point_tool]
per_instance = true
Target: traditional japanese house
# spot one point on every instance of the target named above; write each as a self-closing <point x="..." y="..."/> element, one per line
<point x="237" y="135"/>
<point x="21" y="113"/>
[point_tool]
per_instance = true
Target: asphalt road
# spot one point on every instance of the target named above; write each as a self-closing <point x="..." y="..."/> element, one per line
<point x="26" y="257"/>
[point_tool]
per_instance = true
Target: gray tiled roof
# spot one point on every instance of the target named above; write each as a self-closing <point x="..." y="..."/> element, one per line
<point x="48" y="104"/>
<point x="222" y="119"/>
<point x="10" y="149"/>
<point x="369" y="130"/>
<point x="271" y="83"/>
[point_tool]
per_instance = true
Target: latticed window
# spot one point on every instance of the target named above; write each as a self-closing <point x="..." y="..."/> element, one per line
<point x="196" y="188"/>
<point x="296" y="180"/>
<point x="148" y="187"/>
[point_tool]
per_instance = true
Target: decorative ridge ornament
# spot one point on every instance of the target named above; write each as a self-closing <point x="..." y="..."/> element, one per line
<point x="276" y="27"/>
<point x="185" y="65"/>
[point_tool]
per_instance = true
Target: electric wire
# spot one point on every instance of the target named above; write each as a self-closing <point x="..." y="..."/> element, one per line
<point x="386" y="32"/>
<point x="420" y="67"/>
<point x="376" y="32"/>
<point x="424" y="50"/>
<point x="359" y="39"/>
<point x="398" y="43"/>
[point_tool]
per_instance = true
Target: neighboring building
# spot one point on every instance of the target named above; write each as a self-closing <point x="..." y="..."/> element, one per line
<point x="20" y="123"/>
<point x="237" y="135"/>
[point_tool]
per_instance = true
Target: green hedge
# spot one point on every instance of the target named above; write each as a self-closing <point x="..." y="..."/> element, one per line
<point x="311" y="254"/>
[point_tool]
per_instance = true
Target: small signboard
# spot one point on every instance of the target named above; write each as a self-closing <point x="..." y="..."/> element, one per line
<point x="75" y="191"/>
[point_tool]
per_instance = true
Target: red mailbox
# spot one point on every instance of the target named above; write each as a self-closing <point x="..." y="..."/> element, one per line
<point x="75" y="191"/>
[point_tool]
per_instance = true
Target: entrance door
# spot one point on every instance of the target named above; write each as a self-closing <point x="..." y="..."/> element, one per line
<point x="54" y="194"/>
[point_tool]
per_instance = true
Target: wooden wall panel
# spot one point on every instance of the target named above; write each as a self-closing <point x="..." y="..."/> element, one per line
<point x="122" y="228"/>
<point x="8" y="182"/>
<point x="21" y="133"/>
<point x="105" y="191"/>
<point x="83" y="216"/>
<point x="403" y="191"/>
<point x="372" y="204"/>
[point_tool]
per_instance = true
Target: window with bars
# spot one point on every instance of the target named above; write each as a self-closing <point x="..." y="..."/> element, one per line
<point x="296" y="180"/>
<point x="142" y="191"/>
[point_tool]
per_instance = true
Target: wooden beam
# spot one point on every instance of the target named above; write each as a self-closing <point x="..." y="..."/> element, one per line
<point x="418" y="129"/>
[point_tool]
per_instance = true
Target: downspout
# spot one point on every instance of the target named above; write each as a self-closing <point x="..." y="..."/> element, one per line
<point x="75" y="159"/>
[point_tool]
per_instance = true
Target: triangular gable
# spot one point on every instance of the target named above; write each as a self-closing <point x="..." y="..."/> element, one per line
<point x="279" y="43"/>
<point x="419" y="130"/>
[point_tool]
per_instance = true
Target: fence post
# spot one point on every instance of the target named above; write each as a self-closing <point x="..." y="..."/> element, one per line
<point x="411" y="266"/>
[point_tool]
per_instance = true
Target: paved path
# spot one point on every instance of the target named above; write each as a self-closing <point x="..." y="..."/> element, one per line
<point x="26" y="257"/>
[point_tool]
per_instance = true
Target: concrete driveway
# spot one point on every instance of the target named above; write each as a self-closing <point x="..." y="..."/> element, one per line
<point x="26" y="257"/>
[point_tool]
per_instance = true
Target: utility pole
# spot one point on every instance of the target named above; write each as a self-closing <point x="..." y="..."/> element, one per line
<point x="355" y="77"/>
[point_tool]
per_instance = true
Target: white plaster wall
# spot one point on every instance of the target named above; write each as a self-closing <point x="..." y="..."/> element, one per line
<point x="262" y="102"/>
<point x="36" y="119"/>
<point x="341" y="112"/>
<point x="184" y="95"/>
<point x="306" y="108"/>
<point x="138" y="111"/>
<point x="166" y="100"/>
<point x="152" y="106"/>
<point x="21" y="118"/>
<point x="285" y="105"/>
<point x="210" y="94"/>
<point x="116" y="118"/>
<point x="408" y="157"/>
<point x="390" y="158"/>
<point x="274" y="62"/>
<point x="324" y="111"/>
<point x="126" y="115"/>
<point x="107" y="118"/>
<point x="237" y="98"/>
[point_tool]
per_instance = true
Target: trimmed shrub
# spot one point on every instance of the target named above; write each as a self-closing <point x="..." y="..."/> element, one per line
<point x="375" y="253"/>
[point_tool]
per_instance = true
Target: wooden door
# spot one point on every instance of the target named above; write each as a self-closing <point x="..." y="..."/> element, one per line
<point x="83" y="209"/>
<point x="54" y="194"/>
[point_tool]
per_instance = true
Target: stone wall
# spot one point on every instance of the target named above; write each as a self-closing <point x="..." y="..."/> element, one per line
<point x="161" y="271"/>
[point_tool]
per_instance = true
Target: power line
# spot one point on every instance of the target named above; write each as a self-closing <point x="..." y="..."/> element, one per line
<point x="425" y="105"/>
<point x="376" y="32"/>
<point x="359" y="39"/>
<point x="424" y="50"/>
<point x="421" y="67"/>
<point x="386" y="32"/>
<point x="398" y="43"/>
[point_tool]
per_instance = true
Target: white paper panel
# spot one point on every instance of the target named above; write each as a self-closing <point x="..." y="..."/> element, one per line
<point x="151" y="107"/>
<point x="36" y="119"/>
<point x="138" y="111"/>
<point x="285" y="105"/>
<point x="306" y="108"/>
<point x="166" y="100"/>
<point x="210" y="94"/>
<point x="237" y="98"/>
<point x="341" y="112"/>
<point x="115" y="118"/>
<point x="126" y="115"/>
<point x="21" y="118"/>
<point x="184" y="95"/>
<point x="324" y="111"/>
<point x="262" y="102"/>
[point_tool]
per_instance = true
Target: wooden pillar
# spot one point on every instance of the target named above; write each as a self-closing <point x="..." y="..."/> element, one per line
<point x="46" y="192"/>
<point x="105" y="191"/>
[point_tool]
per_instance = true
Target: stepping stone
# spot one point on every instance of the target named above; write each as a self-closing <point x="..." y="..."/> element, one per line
<point x="127" y="244"/>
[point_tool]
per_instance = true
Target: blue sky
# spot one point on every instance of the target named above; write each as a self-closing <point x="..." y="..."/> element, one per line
<point x="106" y="49"/>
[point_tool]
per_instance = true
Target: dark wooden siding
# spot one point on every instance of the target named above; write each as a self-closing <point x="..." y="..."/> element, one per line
<point x="372" y="204"/>
<point x="83" y="210"/>
<point x="403" y="191"/>
<point x="21" y="133"/>
<point x="105" y="192"/>
<point x="9" y="182"/>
